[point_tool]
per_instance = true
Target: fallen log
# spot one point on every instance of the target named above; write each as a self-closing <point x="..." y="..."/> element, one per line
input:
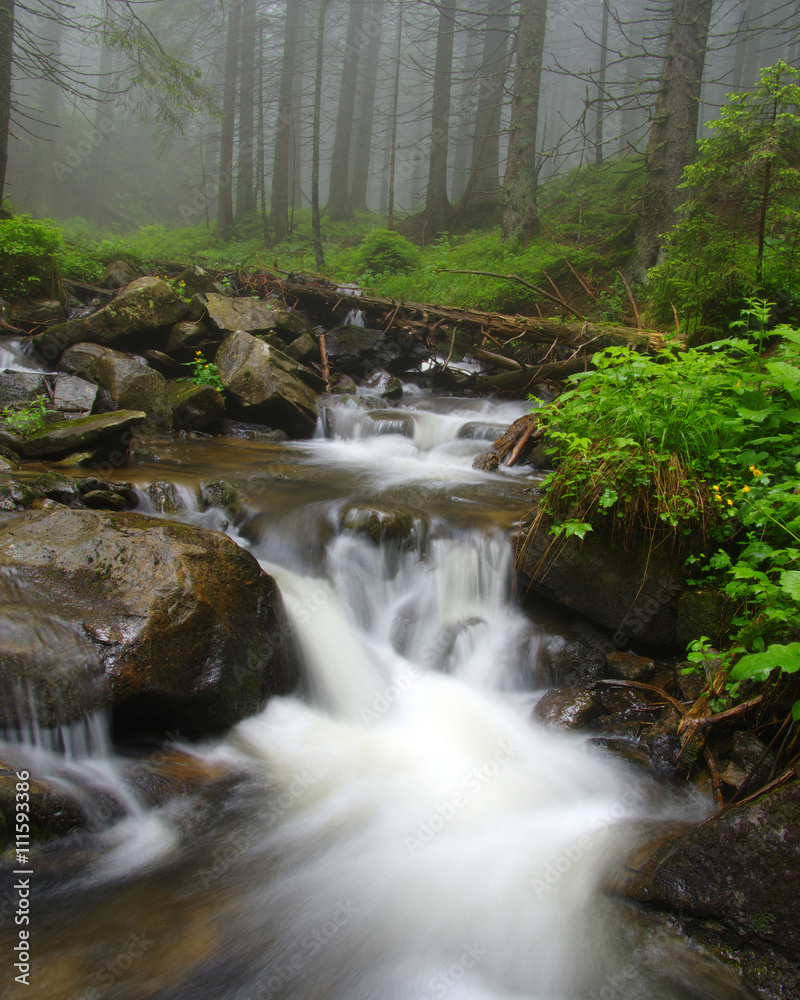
<point x="526" y="378"/>
<point x="417" y="319"/>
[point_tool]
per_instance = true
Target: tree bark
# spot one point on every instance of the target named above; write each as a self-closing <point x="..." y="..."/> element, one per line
<point x="372" y="29"/>
<point x="601" y="88"/>
<point x="6" y="59"/>
<point x="284" y="133"/>
<point x="245" y="181"/>
<point x="486" y="141"/>
<point x="438" y="209"/>
<point x="520" y="213"/>
<point x="225" y="197"/>
<point x="673" y="135"/>
<point x="393" y="138"/>
<point x="339" y="206"/>
<point x="316" y="223"/>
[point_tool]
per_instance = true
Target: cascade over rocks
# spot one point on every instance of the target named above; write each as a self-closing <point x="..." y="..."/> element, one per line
<point x="145" y="307"/>
<point x="170" y="625"/>
<point x="264" y="384"/>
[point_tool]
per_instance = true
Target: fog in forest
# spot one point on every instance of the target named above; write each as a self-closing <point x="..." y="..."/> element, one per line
<point x="128" y="114"/>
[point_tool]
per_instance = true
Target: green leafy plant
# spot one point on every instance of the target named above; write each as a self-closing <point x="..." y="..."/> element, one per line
<point x="28" y="250"/>
<point x="205" y="372"/>
<point x="27" y="418"/>
<point x="384" y="251"/>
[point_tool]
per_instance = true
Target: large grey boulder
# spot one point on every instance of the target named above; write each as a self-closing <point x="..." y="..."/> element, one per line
<point x="145" y="307"/>
<point x="129" y="382"/>
<point x="264" y="385"/>
<point x="226" y="314"/>
<point x="170" y="625"/>
<point x="64" y="393"/>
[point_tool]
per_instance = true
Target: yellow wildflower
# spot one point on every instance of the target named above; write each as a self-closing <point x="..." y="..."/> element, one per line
<point x="745" y="489"/>
<point x="730" y="503"/>
<point x="715" y="488"/>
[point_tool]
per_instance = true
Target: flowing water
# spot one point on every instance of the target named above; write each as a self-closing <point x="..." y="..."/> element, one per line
<point x="401" y="830"/>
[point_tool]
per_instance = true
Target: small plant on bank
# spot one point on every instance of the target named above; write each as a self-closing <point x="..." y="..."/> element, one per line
<point x="26" y="419"/>
<point x="384" y="251"/>
<point x="205" y="372"/>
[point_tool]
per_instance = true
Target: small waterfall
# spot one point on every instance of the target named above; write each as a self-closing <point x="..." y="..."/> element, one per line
<point x="15" y="357"/>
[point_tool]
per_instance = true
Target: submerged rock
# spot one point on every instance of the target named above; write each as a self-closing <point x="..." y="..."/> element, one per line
<point x="171" y="625"/>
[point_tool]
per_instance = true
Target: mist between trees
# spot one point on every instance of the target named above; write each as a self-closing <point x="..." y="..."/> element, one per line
<point x="243" y="113"/>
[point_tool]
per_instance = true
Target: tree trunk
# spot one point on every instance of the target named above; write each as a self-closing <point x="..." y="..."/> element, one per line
<point x="673" y="135"/>
<point x="45" y="191"/>
<point x="284" y="133"/>
<point x="601" y="88"/>
<point x="486" y="142"/>
<point x="245" y="181"/>
<point x="6" y="58"/>
<point x="225" y="198"/>
<point x="372" y="29"/>
<point x="437" y="206"/>
<point x="520" y="213"/>
<point x="339" y="206"/>
<point x="393" y="137"/>
<point x="316" y="223"/>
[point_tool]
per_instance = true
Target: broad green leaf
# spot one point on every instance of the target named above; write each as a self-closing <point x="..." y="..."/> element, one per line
<point x="790" y="583"/>
<point x="757" y="666"/>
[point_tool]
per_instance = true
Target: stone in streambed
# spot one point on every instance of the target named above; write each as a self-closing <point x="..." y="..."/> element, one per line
<point x="70" y="436"/>
<point x="127" y="380"/>
<point x="568" y="708"/>
<point x="194" y="407"/>
<point x="170" y="625"/>
<point x="264" y="384"/>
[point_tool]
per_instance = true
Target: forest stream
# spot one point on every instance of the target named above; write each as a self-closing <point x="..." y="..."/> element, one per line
<point x="401" y="828"/>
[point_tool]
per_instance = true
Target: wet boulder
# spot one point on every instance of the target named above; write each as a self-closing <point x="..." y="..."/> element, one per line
<point x="194" y="407"/>
<point x="53" y="813"/>
<point x="140" y="311"/>
<point x="128" y="381"/>
<point x="568" y="708"/>
<point x="389" y="386"/>
<point x="732" y="884"/>
<point x="263" y="384"/>
<point x="356" y="351"/>
<point x="109" y="433"/>
<point x="637" y="590"/>
<point x="64" y="393"/>
<point x="171" y="626"/>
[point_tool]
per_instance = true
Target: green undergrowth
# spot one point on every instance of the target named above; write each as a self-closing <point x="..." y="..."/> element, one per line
<point x="700" y="447"/>
<point x="585" y="216"/>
